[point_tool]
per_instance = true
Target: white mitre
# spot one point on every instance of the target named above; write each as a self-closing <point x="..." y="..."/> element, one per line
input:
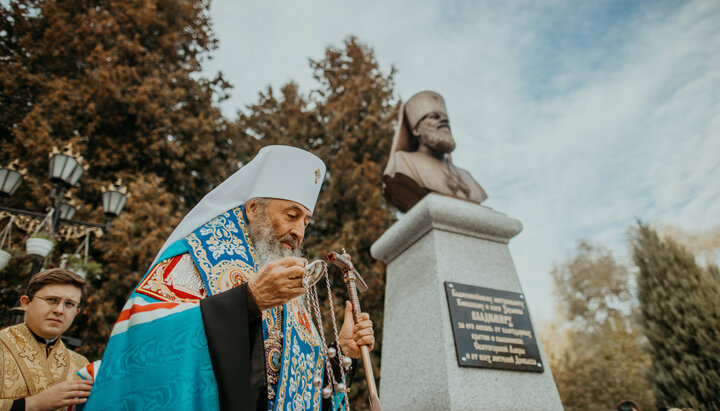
<point x="283" y="172"/>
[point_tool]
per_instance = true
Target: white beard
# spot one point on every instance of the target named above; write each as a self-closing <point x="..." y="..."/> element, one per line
<point x="268" y="247"/>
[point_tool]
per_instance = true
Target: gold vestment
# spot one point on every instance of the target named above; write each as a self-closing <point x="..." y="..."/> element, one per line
<point x="26" y="370"/>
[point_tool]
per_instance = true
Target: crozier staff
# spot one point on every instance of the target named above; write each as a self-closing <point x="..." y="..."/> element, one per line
<point x="219" y="321"/>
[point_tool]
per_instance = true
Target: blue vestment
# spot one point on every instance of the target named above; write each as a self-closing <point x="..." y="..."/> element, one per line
<point x="185" y="340"/>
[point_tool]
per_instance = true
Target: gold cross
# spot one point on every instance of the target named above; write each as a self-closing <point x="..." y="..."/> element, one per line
<point x="317" y="175"/>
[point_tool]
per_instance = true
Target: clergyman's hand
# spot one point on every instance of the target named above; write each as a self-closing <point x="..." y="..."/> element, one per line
<point x="60" y="395"/>
<point x="278" y="282"/>
<point x="352" y="335"/>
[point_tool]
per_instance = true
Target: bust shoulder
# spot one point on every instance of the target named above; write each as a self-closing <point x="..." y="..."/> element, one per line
<point x="409" y="176"/>
<point x="413" y="164"/>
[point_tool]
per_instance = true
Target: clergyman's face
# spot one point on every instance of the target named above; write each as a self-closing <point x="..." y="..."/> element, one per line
<point x="433" y="132"/>
<point x="277" y="229"/>
<point x="46" y="314"/>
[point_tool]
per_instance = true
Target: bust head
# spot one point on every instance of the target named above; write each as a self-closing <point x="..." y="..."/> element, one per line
<point x="420" y="161"/>
<point x="427" y="118"/>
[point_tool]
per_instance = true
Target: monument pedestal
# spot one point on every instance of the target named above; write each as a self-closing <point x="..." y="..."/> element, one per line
<point x="440" y="240"/>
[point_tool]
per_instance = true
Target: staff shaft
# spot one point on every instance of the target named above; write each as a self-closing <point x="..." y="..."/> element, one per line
<point x="364" y="351"/>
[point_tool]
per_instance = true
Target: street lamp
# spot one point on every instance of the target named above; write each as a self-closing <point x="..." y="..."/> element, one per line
<point x="10" y="179"/>
<point x="67" y="208"/>
<point x="66" y="168"/>
<point x="114" y="198"/>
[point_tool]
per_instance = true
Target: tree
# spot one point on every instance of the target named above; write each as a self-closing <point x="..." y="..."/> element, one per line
<point x="680" y="315"/>
<point x="348" y="121"/>
<point x="118" y="80"/>
<point x="596" y="370"/>
<point x="703" y="244"/>
<point x="592" y="288"/>
<point x="596" y="355"/>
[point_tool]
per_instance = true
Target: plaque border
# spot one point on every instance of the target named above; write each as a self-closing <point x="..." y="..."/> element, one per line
<point x="448" y="285"/>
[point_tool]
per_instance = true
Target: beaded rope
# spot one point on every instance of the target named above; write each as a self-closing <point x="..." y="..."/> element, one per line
<point x="315" y="302"/>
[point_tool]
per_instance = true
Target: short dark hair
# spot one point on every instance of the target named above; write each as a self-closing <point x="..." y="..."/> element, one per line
<point x="55" y="276"/>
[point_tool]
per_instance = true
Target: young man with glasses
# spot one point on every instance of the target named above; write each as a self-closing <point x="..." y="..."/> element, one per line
<point x="37" y="371"/>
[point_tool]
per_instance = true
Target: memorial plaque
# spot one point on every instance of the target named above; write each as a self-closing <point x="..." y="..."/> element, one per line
<point x="492" y="329"/>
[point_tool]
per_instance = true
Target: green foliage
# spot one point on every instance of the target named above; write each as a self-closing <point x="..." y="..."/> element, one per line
<point x="596" y="356"/>
<point x="14" y="252"/>
<point x="347" y="121"/>
<point x="595" y="369"/>
<point x="44" y="235"/>
<point x="119" y="80"/>
<point x="680" y="315"/>
<point x="592" y="287"/>
<point x="714" y="272"/>
<point x="91" y="268"/>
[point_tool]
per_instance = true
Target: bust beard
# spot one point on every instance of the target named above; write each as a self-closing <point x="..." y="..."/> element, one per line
<point x="438" y="140"/>
<point x="268" y="246"/>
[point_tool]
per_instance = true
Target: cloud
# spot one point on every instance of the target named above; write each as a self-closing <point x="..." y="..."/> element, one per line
<point x="636" y="140"/>
<point x="577" y="118"/>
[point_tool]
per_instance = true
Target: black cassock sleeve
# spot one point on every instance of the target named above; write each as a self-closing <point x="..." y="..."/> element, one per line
<point x="233" y="328"/>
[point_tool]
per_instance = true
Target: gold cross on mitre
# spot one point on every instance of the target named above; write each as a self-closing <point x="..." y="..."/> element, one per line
<point x="317" y="175"/>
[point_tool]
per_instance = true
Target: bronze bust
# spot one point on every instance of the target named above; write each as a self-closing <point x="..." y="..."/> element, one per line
<point x="420" y="160"/>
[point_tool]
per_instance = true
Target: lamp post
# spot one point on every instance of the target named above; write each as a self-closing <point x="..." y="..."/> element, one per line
<point x="66" y="168"/>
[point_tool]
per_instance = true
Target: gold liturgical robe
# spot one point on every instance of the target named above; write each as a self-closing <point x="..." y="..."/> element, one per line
<point x="26" y="370"/>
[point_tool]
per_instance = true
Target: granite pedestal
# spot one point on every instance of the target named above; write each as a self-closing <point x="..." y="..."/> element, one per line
<point x="445" y="239"/>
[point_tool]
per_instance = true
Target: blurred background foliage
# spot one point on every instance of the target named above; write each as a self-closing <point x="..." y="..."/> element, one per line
<point x="117" y="79"/>
<point x="646" y="330"/>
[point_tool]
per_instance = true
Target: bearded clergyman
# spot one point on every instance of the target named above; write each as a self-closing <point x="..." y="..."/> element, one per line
<point x="420" y="161"/>
<point x="220" y="320"/>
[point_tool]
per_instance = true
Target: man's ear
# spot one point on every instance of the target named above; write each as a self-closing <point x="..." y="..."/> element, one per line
<point x="24" y="301"/>
<point x="251" y="209"/>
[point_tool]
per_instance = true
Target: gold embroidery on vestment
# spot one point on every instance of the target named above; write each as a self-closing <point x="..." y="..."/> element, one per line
<point x="229" y="273"/>
<point x="26" y="370"/>
<point x="174" y="283"/>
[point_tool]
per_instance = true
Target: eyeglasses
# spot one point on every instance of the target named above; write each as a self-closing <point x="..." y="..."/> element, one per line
<point x="54" y="301"/>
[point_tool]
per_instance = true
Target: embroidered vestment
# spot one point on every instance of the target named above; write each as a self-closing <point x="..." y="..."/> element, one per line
<point x="26" y="369"/>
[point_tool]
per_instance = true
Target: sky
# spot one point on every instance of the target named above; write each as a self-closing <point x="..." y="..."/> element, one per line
<point x="577" y="118"/>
